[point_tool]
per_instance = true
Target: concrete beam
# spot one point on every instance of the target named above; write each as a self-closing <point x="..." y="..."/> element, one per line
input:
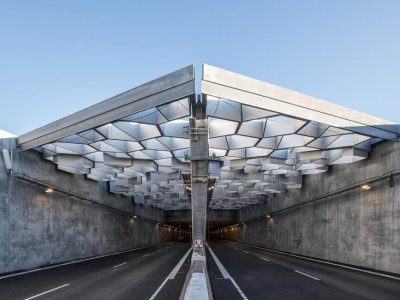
<point x="228" y="85"/>
<point x="173" y="86"/>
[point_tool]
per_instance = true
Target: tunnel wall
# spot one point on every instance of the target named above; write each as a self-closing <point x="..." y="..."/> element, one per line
<point x="38" y="229"/>
<point x="217" y="216"/>
<point x="357" y="227"/>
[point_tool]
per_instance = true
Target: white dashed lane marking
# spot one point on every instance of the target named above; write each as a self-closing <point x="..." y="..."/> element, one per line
<point x="46" y="292"/>
<point x="263" y="258"/>
<point x="315" y="278"/>
<point x="124" y="263"/>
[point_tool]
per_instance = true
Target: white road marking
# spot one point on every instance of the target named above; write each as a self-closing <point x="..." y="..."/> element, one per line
<point x="263" y="258"/>
<point x="226" y="275"/>
<point x="124" y="263"/>
<point x="306" y="275"/>
<point x="323" y="262"/>
<point x="145" y="255"/>
<point x="49" y="291"/>
<point x="159" y="250"/>
<point x="245" y="252"/>
<point x="236" y="248"/>
<point x="78" y="261"/>
<point x="172" y="274"/>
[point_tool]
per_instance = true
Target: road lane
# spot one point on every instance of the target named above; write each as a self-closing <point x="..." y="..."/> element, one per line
<point x="130" y="275"/>
<point x="263" y="274"/>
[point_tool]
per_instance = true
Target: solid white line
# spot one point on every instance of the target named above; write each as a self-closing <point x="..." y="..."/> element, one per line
<point x="46" y="292"/>
<point x="172" y="274"/>
<point x="226" y="275"/>
<point x="124" y="263"/>
<point x="145" y="255"/>
<point x="77" y="261"/>
<point x="263" y="258"/>
<point x="306" y="275"/>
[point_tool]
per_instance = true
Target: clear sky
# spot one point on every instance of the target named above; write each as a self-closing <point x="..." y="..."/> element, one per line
<point x="57" y="57"/>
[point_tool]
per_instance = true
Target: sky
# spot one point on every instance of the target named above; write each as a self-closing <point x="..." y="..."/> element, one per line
<point x="58" y="57"/>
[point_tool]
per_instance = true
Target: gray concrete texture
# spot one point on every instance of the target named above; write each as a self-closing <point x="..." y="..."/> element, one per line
<point x="357" y="227"/>
<point x="199" y="175"/>
<point x="38" y="229"/>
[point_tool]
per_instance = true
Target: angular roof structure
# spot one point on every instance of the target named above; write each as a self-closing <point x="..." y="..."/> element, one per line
<point x="5" y="134"/>
<point x="262" y="139"/>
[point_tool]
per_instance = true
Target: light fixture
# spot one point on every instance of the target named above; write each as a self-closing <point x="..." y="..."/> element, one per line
<point x="366" y="186"/>
<point x="268" y="216"/>
<point x="48" y="190"/>
<point x="134" y="217"/>
<point x="391" y="180"/>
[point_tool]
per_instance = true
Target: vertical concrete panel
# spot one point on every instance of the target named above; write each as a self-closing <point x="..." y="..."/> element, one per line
<point x="4" y="221"/>
<point x="39" y="229"/>
<point x="357" y="227"/>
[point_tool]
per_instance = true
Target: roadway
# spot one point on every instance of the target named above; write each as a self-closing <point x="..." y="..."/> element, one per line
<point x="262" y="274"/>
<point x="130" y="275"/>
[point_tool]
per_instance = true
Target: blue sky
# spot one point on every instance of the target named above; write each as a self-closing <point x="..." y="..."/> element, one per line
<point x="57" y="57"/>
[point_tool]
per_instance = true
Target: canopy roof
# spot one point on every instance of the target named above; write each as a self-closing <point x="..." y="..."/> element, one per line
<point x="262" y="139"/>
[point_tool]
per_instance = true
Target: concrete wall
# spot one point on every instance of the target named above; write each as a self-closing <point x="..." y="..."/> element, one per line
<point x="39" y="229"/>
<point x="356" y="227"/>
<point x="214" y="216"/>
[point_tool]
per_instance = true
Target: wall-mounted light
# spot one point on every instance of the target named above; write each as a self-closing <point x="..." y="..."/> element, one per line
<point x="49" y="190"/>
<point x="391" y="180"/>
<point x="366" y="186"/>
<point x="134" y="217"/>
<point x="268" y="216"/>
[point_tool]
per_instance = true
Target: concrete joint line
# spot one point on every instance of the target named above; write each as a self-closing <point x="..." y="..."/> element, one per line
<point x="395" y="172"/>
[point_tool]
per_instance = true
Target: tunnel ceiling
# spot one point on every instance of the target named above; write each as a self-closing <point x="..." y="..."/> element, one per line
<point x="262" y="139"/>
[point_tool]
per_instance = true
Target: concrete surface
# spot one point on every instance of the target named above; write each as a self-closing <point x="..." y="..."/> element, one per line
<point x="39" y="229"/>
<point x="214" y="216"/>
<point x="357" y="227"/>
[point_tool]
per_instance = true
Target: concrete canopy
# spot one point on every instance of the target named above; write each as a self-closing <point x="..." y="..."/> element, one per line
<point x="262" y="139"/>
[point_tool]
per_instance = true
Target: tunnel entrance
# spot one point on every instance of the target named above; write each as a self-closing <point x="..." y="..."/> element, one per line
<point x="251" y="178"/>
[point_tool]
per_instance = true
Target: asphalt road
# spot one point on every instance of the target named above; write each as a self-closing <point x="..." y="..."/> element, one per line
<point x="263" y="274"/>
<point x="130" y="275"/>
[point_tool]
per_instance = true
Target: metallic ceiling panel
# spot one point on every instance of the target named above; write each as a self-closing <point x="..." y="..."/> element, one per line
<point x="220" y="127"/>
<point x="262" y="139"/>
